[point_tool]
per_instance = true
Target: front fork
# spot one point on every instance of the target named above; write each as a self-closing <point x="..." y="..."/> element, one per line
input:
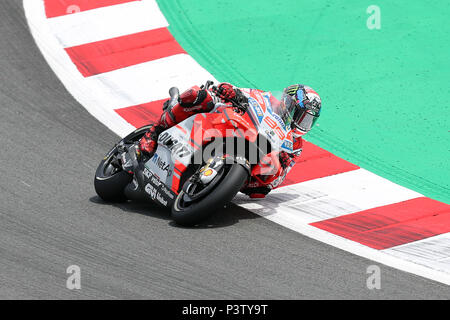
<point x="205" y="178"/>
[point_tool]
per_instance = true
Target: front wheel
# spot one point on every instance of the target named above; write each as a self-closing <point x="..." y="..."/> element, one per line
<point x="192" y="207"/>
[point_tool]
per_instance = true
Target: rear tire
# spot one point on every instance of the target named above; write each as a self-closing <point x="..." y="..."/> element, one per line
<point x="220" y="196"/>
<point x="110" y="187"/>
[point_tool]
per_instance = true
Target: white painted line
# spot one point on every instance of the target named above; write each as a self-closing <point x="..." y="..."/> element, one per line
<point x="67" y="72"/>
<point x="103" y="93"/>
<point x="379" y="256"/>
<point x="147" y="81"/>
<point x="329" y="197"/>
<point x="433" y="252"/>
<point x="295" y="206"/>
<point x="107" y="22"/>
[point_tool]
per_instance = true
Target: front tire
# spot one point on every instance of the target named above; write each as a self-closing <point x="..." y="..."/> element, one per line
<point x="223" y="193"/>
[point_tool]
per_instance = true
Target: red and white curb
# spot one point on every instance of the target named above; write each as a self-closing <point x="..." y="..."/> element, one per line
<point x="118" y="59"/>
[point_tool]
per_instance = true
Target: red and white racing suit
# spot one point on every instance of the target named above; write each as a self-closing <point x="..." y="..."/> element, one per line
<point x="198" y="100"/>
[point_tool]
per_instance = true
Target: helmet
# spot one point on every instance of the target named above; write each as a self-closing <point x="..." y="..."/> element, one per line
<point x="301" y="107"/>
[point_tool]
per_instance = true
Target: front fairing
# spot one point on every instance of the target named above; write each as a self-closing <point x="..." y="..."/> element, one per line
<point x="268" y="122"/>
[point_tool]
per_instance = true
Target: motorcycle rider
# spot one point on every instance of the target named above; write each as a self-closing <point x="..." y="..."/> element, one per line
<point x="300" y="104"/>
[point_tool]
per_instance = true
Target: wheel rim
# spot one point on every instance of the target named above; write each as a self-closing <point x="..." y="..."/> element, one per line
<point x="194" y="190"/>
<point x="111" y="166"/>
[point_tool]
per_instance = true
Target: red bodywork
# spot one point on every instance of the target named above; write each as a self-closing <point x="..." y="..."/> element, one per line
<point x="226" y="122"/>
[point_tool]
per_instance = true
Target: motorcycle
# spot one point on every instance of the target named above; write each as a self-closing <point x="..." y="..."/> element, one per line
<point x="201" y="163"/>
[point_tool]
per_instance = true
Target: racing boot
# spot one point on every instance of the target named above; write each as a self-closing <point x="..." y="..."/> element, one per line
<point x="256" y="192"/>
<point x="149" y="141"/>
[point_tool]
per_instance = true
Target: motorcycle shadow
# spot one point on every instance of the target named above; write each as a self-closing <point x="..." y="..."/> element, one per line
<point x="225" y="217"/>
<point x="144" y="208"/>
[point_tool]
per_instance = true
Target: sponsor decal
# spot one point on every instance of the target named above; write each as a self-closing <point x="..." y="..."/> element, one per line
<point x="150" y="190"/>
<point x="162" y="164"/>
<point x="160" y="199"/>
<point x="175" y="146"/>
<point x="271" y="135"/>
<point x="257" y="108"/>
<point x="167" y="192"/>
<point x="194" y="108"/>
<point x="273" y="125"/>
<point x="208" y="172"/>
<point x="147" y="173"/>
<point x="258" y="97"/>
<point x="253" y="184"/>
<point x="157" y="190"/>
<point x="155" y="181"/>
<point x="267" y="100"/>
<point x="287" y="145"/>
<point x="135" y="184"/>
<point x="289" y="135"/>
<point x="279" y="120"/>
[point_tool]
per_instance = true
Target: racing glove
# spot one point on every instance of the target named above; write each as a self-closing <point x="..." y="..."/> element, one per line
<point x="285" y="159"/>
<point x="224" y="91"/>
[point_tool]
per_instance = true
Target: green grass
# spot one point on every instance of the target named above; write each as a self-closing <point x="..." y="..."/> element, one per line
<point x="385" y="92"/>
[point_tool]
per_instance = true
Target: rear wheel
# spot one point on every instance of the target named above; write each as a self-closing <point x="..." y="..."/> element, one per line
<point x="197" y="201"/>
<point x="110" y="180"/>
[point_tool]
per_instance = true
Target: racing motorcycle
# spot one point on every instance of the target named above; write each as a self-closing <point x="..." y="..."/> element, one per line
<point x="201" y="163"/>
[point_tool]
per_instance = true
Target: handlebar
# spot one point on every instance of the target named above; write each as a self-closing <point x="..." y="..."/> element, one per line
<point x="240" y="105"/>
<point x="174" y="95"/>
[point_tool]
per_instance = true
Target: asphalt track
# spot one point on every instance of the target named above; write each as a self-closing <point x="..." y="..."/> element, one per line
<point x="50" y="217"/>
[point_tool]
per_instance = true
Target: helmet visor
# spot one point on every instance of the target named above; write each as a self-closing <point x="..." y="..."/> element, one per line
<point x="296" y="116"/>
<point x="305" y="120"/>
<point x="287" y="109"/>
